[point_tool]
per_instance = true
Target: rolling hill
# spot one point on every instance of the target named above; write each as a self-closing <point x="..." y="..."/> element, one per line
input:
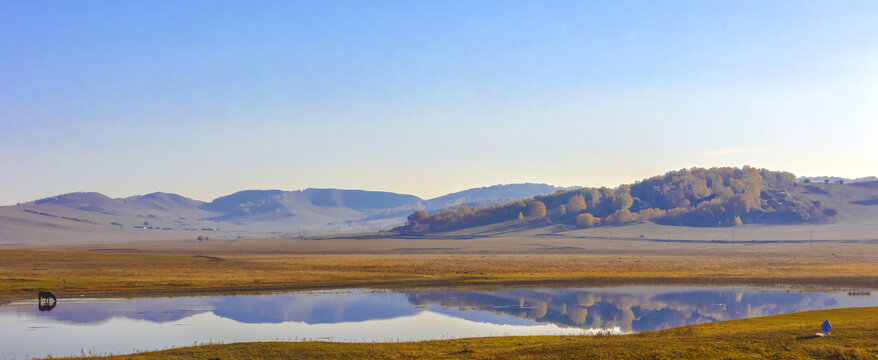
<point x="489" y="195"/>
<point x="696" y="197"/>
<point x="94" y="217"/>
<point x="685" y="199"/>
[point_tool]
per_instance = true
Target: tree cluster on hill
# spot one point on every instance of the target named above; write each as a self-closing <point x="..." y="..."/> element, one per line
<point x="692" y="197"/>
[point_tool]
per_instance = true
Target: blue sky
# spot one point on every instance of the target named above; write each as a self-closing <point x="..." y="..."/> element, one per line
<point x="204" y="98"/>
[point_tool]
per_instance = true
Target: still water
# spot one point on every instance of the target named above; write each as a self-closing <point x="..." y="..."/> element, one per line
<point x="101" y="326"/>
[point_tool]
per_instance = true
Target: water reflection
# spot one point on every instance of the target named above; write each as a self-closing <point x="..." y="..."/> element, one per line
<point x="46" y="306"/>
<point x="639" y="309"/>
<point x="109" y="325"/>
<point x="313" y="308"/>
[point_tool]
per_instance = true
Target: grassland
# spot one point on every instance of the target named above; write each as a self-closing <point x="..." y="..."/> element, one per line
<point x="789" y="336"/>
<point x="268" y="265"/>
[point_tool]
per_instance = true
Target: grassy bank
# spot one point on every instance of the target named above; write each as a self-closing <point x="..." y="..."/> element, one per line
<point x="23" y="272"/>
<point x="790" y="336"/>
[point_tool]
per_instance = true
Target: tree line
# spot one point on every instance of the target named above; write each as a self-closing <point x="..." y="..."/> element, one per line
<point x="723" y="196"/>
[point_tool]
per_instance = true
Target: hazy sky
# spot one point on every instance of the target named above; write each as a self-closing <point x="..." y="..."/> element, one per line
<point x="204" y="98"/>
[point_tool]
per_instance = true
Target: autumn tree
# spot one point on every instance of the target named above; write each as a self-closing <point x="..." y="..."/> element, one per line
<point x="648" y="214"/>
<point x="417" y="216"/>
<point x="621" y="216"/>
<point x="585" y="221"/>
<point x="576" y="204"/>
<point x="592" y="196"/>
<point x="622" y="200"/>
<point x="536" y="209"/>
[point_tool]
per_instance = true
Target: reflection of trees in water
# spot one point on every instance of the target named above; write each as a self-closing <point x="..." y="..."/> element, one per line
<point x="630" y="312"/>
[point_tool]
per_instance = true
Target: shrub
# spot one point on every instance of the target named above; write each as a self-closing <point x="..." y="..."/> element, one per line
<point x="585" y="221"/>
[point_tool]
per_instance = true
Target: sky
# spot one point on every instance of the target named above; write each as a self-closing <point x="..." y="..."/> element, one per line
<point x="205" y="98"/>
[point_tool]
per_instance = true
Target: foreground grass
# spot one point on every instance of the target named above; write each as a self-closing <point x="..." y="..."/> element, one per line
<point x="790" y="336"/>
<point x="23" y="272"/>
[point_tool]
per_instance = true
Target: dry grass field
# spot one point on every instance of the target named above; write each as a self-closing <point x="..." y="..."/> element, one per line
<point x="168" y="267"/>
<point x="789" y="336"/>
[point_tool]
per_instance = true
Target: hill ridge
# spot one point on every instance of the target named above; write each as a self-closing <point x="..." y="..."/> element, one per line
<point x="714" y="197"/>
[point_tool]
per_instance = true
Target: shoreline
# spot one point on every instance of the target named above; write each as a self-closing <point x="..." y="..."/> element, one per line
<point x="803" y="285"/>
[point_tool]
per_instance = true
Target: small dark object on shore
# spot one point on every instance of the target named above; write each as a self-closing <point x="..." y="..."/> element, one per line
<point x="49" y="303"/>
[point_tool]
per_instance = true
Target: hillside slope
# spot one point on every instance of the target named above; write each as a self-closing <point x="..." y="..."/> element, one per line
<point x="717" y="197"/>
<point x="94" y="217"/>
<point x="488" y="195"/>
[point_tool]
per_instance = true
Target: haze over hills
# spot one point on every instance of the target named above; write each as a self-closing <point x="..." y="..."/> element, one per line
<point x="835" y="179"/>
<point x="489" y="195"/>
<point x="248" y="213"/>
<point x="691" y="197"/>
<point x="483" y="196"/>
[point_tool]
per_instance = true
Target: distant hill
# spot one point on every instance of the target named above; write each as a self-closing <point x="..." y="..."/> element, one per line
<point x="483" y="196"/>
<point x="368" y="205"/>
<point x="359" y="199"/>
<point x="93" y="216"/>
<point x="834" y="179"/>
<point x="252" y="205"/>
<point x="241" y="201"/>
<point x="691" y="197"/>
<point x="100" y="203"/>
<point x="163" y="201"/>
<point x="489" y="195"/>
<point x="312" y="205"/>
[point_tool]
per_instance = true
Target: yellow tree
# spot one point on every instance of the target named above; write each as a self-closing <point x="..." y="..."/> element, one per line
<point x="622" y="200"/>
<point x="417" y="216"/>
<point x="536" y="209"/>
<point x="621" y="217"/>
<point x="585" y="220"/>
<point x="576" y="204"/>
<point x="592" y="196"/>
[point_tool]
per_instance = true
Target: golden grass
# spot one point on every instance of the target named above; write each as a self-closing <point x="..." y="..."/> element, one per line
<point x="790" y="336"/>
<point x="265" y="265"/>
<point x="23" y="272"/>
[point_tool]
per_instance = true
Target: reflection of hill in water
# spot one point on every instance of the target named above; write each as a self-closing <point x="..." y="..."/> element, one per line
<point x="630" y="312"/>
<point x="311" y="308"/>
<point x="157" y="310"/>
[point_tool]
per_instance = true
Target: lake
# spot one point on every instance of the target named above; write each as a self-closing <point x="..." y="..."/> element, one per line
<point x="100" y="326"/>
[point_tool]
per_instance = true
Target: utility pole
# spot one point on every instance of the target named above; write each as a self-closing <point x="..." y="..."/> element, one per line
<point x="811" y="243"/>
<point x="733" y="238"/>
